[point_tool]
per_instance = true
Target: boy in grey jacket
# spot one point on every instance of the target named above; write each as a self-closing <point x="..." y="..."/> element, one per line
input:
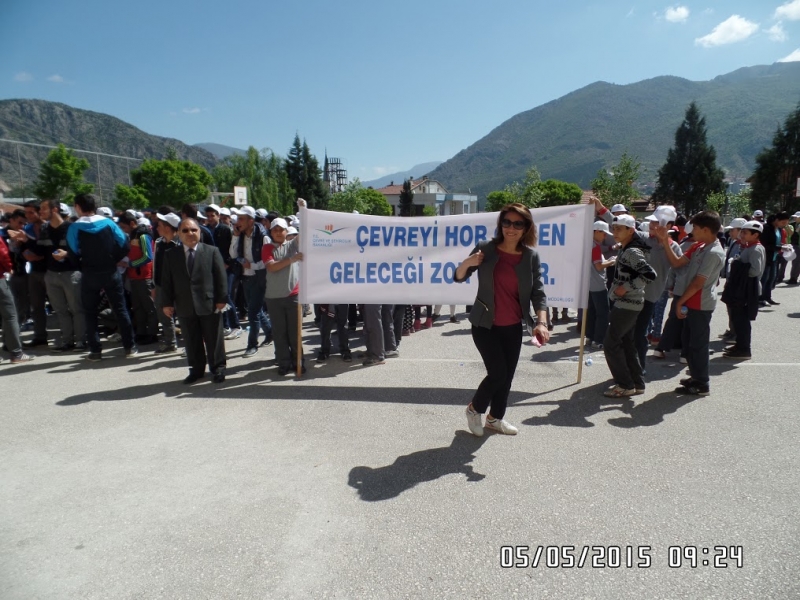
<point x="632" y="273"/>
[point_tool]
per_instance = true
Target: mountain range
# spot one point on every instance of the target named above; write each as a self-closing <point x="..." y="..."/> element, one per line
<point x="571" y="138"/>
<point x="417" y="171"/>
<point x="42" y="123"/>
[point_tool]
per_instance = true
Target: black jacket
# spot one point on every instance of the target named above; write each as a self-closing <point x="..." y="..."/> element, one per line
<point x="741" y="290"/>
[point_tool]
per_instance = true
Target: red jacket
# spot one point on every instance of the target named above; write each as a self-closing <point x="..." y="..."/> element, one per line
<point x="6" y="266"/>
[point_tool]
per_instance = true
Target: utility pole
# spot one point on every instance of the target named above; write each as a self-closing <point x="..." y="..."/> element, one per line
<point x="19" y="166"/>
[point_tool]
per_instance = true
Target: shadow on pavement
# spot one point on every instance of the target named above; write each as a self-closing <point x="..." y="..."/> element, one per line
<point x="383" y="483"/>
<point x="651" y="412"/>
<point x="584" y="403"/>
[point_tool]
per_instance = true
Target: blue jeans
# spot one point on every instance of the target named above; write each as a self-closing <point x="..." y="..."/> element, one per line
<point x="254" y="289"/>
<point x="768" y="280"/>
<point x="597" y="317"/>
<point x="111" y="283"/>
<point x="658" y="315"/>
<point x="230" y="318"/>
<point x="696" y="334"/>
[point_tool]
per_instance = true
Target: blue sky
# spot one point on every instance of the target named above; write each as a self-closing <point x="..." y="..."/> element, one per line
<point x="382" y="85"/>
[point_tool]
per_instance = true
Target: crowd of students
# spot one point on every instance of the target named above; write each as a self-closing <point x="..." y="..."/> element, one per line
<point x="640" y="267"/>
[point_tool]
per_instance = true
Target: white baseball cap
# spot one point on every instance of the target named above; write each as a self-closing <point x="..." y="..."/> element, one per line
<point x="104" y="211"/>
<point x="63" y="209"/>
<point x="626" y="220"/>
<point x="170" y="218"/>
<point x="754" y="226"/>
<point x="291" y="230"/>
<point x="262" y="213"/>
<point x="279" y="222"/>
<point x="201" y="215"/>
<point x="758" y="213"/>
<point x="248" y="211"/>
<point x="600" y="226"/>
<point x="235" y="211"/>
<point x="225" y="211"/>
<point x="736" y="224"/>
<point x="665" y="214"/>
<point x="619" y="208"/>
<point x="213" y="207"/>
<point x="796" y="215"/>
<point x="234" y="219"/>
<point x="143" y="221"/>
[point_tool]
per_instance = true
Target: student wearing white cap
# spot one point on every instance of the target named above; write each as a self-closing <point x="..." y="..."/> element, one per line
<point x="167" y="228"/>
<point x="597" y="315"/>
<point x="733" y="232"/>
<point x="794" y="240"/>
<point x="631" y="275"/>
<point x="741" y="291"/>
<point x="281" y="258"/>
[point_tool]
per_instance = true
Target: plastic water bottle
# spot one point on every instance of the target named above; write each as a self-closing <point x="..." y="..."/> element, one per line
<point x="684" y="311"/>
<point x="588" y="362"/>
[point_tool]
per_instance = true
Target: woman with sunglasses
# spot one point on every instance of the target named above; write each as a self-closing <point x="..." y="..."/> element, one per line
<point x="509" y="281"/>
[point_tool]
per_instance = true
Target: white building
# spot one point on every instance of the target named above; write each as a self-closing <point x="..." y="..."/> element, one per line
<point x="429" y="192"/>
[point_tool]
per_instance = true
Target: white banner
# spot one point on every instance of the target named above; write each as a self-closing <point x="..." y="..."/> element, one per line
<point x="361" y="259"/>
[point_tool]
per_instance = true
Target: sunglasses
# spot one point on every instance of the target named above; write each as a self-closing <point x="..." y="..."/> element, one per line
<point x="189" y="230"/>
<point x="508" y="223"/>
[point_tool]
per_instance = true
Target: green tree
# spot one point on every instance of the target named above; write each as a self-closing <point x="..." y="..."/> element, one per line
<point x="777" y="169"/>
<point x="559" y="193"/>
<point x="263" y="174"/>
<point x="498" y="199"/>
<point x="618" y="187"/>
<point x="731" y="205"/>
<point x="690" y="173"/>
<point x="158" y="182"/>
<point x="305" y="176"/>
<point x="406" y="202"/>
<point x="528" y="191"/>
<point x="355" y="196"/>
<point x="61" y="176"/>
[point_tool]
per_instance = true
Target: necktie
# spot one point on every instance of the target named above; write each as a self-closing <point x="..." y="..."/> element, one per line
<point x="190" y="262"/>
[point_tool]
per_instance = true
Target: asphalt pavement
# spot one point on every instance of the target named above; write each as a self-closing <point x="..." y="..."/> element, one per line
<point x="117" y="481"/>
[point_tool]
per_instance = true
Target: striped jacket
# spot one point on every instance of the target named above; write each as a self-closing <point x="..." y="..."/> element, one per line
<point x="632" y="272"/>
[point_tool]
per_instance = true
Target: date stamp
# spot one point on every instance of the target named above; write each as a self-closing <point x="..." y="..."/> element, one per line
<point x="617" y="557"/>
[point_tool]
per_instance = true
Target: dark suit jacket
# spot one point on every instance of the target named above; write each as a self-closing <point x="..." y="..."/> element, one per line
<point x="208" y="285"/>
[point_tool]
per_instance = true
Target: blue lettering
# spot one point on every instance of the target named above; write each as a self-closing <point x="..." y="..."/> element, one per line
<point x="449" y="272"/>
<point x="410" y="273"/>
<point x="348" y="273"/>
<point x="336" y="272"/>
<point x="400" y="236"/>
<point x="387" y="235"/>
<point x="544" y="234"/>
<point x="480" y="234"/>
<point x="362" y="241"/>
<point x="552" y="234"/>
<point x="412" y="236"/>
<point x="544" y="270"/>
<point x="374" y="237"/>
<point x="371" y="267"/>
<point x="559" y="234"/>
<point x="435" y="277"/>
<point x="426" y="233"/>
<point x="466" y="236"/>
<point x="451" y="236"/>
<point x="359" y="276"/>
<point x="384" y="271"/>
<point x="397" y="273"/>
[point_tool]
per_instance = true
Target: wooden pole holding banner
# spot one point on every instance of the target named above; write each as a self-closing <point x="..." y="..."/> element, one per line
<point x="583" y="341"/>
<point x="299" y="339"/>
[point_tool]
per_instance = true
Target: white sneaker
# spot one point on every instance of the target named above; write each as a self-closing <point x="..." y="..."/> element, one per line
<point x="234" y="334"/>
<point x="474" y="422"/>
<point x="115" y="337"/>
<point x="501" y="426"/>
<point x="659" y="354"/>
<point x="226" y="332"/>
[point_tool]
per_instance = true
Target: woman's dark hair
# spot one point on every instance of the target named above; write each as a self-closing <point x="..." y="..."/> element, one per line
<point x="529" y="237"/>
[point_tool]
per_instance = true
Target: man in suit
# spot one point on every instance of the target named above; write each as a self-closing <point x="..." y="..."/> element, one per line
<point x="195" y="288"/>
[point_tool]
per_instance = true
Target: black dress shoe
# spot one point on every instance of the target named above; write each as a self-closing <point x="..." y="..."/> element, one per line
<point x="219" y="376"/>
<point x="34" y="343"/>
<point x="773" y="303"/>
<point x="192" y="378"/>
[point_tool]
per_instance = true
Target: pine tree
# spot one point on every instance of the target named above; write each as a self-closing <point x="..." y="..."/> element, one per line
<point x="774" y="182"/>
<point x="305" y="175"/>
<point x="406" y="203"/>
<point x="690" y="173"/>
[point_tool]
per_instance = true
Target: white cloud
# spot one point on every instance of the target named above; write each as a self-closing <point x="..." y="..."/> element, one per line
<point x="192" y="111"/>
<point x="790" y="11"/>
<point x="708" y="11"/>
<point x="676" y="14"/>
<point x="776" y="32"/>
<point x="793" y="57"/>
<point x="734" y="29"/>
<point x="630" y="12"/>
<point x="23" y="77"/>
<point x="381" y="171"/>
<point x="56" y="79"/>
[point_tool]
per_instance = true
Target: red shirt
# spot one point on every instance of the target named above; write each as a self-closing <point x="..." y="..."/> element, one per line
<point x="507" y="310"/>
<point x="6" y="265"/>
<point x="268" y="255"/>
<point x="694" y="301"/>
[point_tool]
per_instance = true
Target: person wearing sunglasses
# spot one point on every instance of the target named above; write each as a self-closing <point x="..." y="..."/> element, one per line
<point x="509" y="282"/>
